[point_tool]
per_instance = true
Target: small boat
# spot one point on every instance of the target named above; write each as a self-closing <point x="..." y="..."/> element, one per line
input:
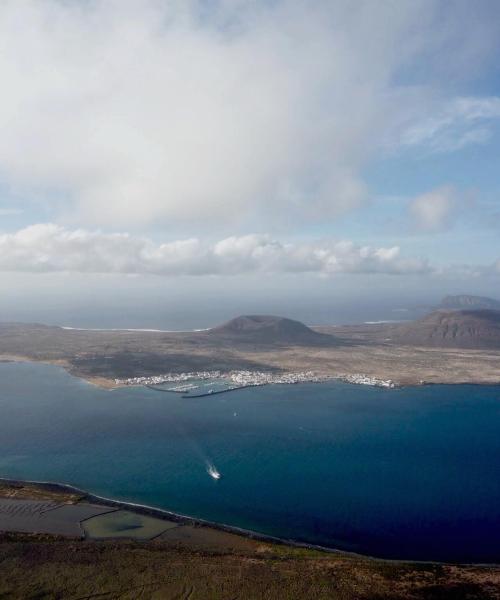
<point x="212" y="471"/>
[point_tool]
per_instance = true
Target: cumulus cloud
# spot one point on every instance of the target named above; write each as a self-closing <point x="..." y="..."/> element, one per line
<point x="435" y="210"/>
<point x="47" y="248"/>
<point x="134" y="111"/>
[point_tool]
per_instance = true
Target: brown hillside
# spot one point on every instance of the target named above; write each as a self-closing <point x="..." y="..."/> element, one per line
<point x="452" y="329"/>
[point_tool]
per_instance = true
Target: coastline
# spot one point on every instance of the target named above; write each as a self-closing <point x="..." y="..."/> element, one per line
<point x="399" y="379"/>
<point x="100" y="382"/>
<point x="113" y="384"/>
<point x="164" y="514"/>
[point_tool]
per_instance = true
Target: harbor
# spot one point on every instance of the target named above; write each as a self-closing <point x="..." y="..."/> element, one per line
<point x="207" y="383"/>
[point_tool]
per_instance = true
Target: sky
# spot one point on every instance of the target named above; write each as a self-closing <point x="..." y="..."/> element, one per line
<point x="173" y="163"/>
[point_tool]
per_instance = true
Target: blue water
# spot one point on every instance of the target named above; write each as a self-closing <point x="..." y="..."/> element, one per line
<point x="405" y="473"/>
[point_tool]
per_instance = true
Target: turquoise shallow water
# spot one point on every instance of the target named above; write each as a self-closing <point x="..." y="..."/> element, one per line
<point x="405" y="473"/>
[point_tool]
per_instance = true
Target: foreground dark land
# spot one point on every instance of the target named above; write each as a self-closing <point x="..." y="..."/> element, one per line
<point x="198" y="562"/>
<point x="45" y="568"/>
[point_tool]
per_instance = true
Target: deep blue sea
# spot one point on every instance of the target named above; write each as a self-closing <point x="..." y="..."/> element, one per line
<point x="405" y="473"/>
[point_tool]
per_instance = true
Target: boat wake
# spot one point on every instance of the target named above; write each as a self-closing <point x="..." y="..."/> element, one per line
<point x="212" y="471"/>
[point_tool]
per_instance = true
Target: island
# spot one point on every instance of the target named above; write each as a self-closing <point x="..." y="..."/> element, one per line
<point x="446" y="346"/>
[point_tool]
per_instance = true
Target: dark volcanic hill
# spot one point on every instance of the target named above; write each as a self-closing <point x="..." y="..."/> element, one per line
<point x="266" y="329"/>
<point x="452" y="329"/>
<point x="468" y="302"/>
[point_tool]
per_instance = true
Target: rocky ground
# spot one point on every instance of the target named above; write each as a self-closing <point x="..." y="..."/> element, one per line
<point x="49" y="568"/>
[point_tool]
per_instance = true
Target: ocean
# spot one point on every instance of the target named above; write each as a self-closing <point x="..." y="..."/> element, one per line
<point x="408" y="473"/>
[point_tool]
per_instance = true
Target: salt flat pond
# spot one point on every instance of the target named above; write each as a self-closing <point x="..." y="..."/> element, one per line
<point x="404" y="473"/>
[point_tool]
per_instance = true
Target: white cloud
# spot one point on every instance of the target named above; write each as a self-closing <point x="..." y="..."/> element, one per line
<point x="47" y="248"/>
<point x="459" y="123"/>
<point x="435" y="210"/>
<point x="135" y="111"/>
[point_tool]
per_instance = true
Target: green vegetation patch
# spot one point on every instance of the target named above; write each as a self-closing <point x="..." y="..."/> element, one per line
<point x="125" y="524"/>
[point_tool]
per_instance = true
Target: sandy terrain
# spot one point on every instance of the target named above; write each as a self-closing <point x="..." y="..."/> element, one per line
<point x="100" y="357"/>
